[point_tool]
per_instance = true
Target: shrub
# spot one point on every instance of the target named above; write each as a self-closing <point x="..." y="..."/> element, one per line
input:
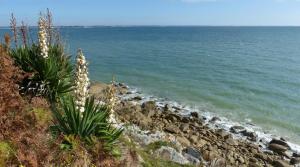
<point x="90" y="124"/>
<point x="52" y="77"/>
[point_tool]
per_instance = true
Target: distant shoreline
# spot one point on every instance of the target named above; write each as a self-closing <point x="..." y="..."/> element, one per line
<point x="168" y="26"/>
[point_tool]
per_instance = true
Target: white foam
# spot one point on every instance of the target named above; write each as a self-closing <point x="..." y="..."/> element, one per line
<point x="263" y="138"/>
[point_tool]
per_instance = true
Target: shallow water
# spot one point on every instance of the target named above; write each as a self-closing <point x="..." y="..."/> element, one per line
<point x="243" y="73"/>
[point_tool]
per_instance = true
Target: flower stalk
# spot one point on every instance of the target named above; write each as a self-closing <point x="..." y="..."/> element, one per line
<point x="43" y="37"/>
<point x="81" y="81"/>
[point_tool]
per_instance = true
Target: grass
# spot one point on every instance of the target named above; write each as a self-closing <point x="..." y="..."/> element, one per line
<point x="151" y="160"/>
<point x="6" y="152"/>
<point x="158" y="144"/>
<point x="43" y="116"/>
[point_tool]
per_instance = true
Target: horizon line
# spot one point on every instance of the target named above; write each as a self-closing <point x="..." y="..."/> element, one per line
<point x="165" y="26"/>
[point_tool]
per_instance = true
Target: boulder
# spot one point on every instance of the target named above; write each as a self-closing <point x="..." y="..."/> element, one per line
<point x="185" y="119"/>
<point x="209" y="155"/>
<point x="250" y="135"/>
<point x="223" y="133"/>
<point x="184" y="141"/>
<point x="149" y="105"/>
<point x="122" y="90"/>
<point x="173" y="117"/>
<point x="176" y="108"/>
<point x="192" y="160"/>
<point x="237" y="129"/>
<point x="171" y="129"/>
<point x="294" y="161"/>
<point x="184" y="127"/>
<point x="195" y="114"/>
<point x="167" y="107"/>
<point x="137" y="98"/>
<point x="261" y="156"/>
<point x="97" y="89"/>
<point x="280" y="142"/>
<point x="280" y="163"/>
<point x="170" y="154"/>
<point x="193" y="139"/>
<point x="201" y="143"/>
<point x="214" y="119"/>
<point x="231" y="142"/>
<point x="193" y="152"/>
<point x="253" y="164"/>
<point x="296" y="154"/>
<point x="219" y="162"/>
<point x="148" y="108"/>
<point x="277" y="148"/>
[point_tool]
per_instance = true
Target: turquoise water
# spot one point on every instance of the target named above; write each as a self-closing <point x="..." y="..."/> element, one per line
<point x="239" y="72"/>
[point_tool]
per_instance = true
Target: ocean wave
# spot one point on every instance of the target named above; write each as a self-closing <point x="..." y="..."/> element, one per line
<point x="263" y="137"/>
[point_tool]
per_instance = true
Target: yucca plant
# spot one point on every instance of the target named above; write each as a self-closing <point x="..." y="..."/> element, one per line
<point x="22" y="56"/>
<point x="52" y="77"/>
<point x="90" y="124"/>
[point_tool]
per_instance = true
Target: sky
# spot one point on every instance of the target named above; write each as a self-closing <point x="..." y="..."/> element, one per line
<point x="156" y="12"/>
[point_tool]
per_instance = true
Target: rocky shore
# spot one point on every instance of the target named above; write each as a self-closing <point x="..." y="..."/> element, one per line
<point x="194" y="138"/>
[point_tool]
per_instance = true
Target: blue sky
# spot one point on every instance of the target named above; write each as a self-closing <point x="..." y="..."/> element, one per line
<point x="155" y="12"/>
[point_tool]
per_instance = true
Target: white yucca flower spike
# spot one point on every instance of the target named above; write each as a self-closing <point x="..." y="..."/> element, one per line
<point x="111" y="100"/>
<point x="81" y="81"/>
<point x="43" y="37"/>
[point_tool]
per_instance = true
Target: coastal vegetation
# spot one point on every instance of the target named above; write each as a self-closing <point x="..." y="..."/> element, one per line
<point x="51" y="114"/>
<point x="51" y="101"/>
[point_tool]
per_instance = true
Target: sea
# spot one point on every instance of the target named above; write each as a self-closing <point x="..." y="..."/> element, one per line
<point x="245" y="74"/>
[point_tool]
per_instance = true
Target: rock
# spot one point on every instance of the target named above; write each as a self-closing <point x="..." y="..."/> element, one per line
<point x="280" y="163"/>
<point x="252" y="160"/>
<point x="195" y="114"/>
<point x="193" y="152"/>
<point x="296" y="154"/>
<point x="184" y="127"/>
<point x="209" y="155"/>
<point x="237" y="129"/>
<point x="134" y="108"/>
<point x="122" y="90"/>
<point x="176" y="108"/>
<point x="184" y="141"/>
<point x="230" y="159"/>
<point x="241" y="159"/>
<point x="97" y="89"/>
<point x="185" y="120"/>
<point x="172" y="129"/>
<point x="201" y="143"/>
<point x="121" y="85"/>
<point x="149" y="105"/>
<point x="139" y="119"/>
<point x="148" y="108"/>
<point x="222" y="133"/>
<point x="277" y="148"/>
<point x="295" y="161"/>
<point x="167" y="107"/>
<point x="261" y="156"/>
<point x="280" y="142"/>
<point x="250" y="135"/>
<point x="231" y="142"/>
<point x="253" y="164"/>
<point x="137" y="98"/>
<point x="173" y="117"/>
<point x="129" y="92"/>
<point x="170" y="154"/>
<point x="193" y="139"/>
<point x="192" y="160"/>
<point x="220" y="162"/>
<point x="214" y="119"/>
